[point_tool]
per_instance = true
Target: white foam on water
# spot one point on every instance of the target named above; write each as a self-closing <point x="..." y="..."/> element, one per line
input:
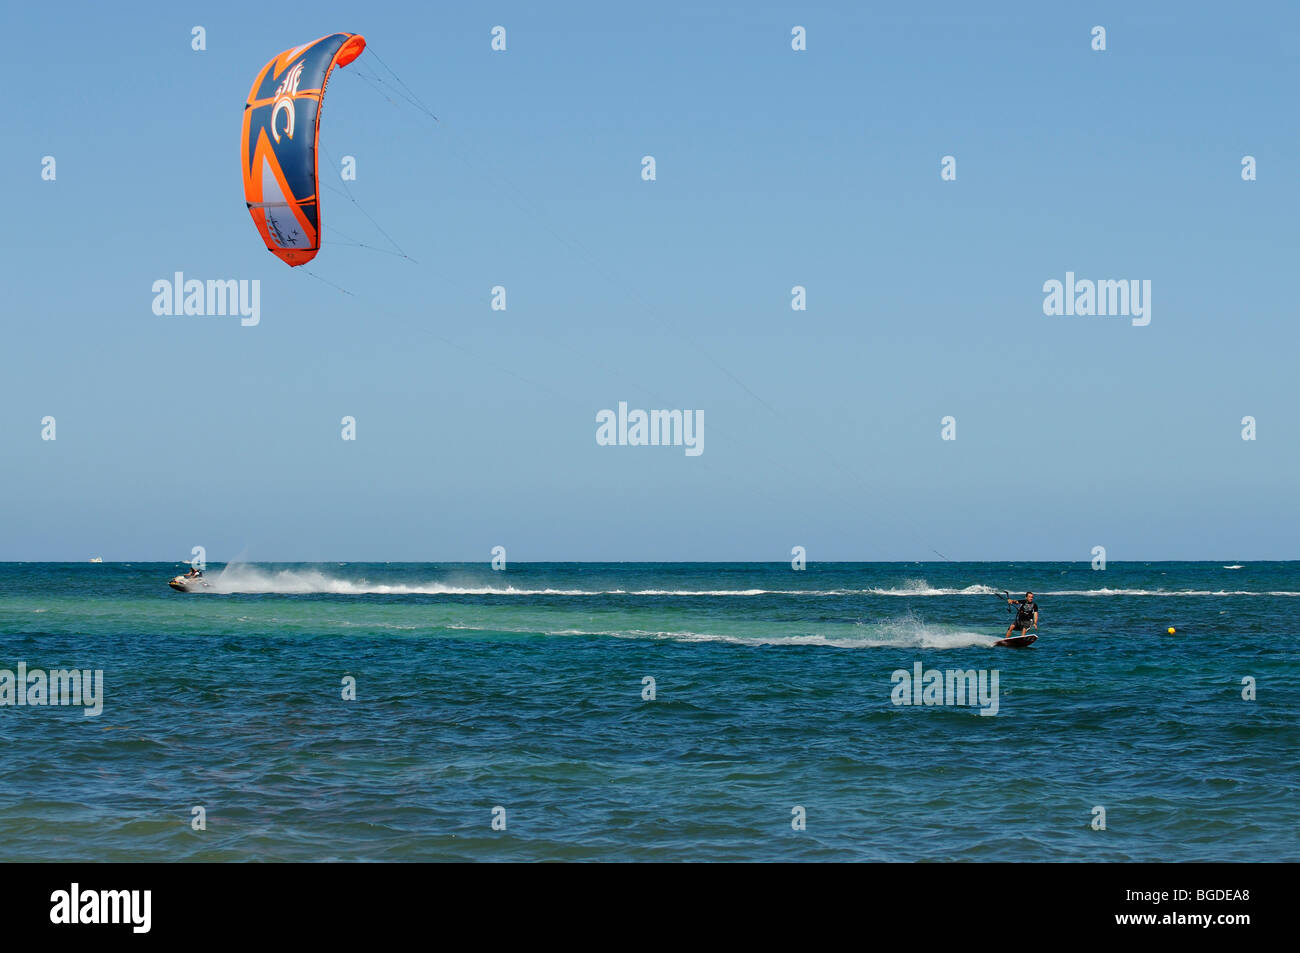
<point x="243" y="578"/>
<point x="247" y="578"/>
<point x="908" y="632"/>
<point x="920" y="639"/>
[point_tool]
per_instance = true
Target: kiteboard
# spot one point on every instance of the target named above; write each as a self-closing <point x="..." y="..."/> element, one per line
<point x="1017" y="641"/>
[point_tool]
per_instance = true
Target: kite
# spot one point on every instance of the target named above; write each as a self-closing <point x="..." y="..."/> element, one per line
<point x="280" y="141"/>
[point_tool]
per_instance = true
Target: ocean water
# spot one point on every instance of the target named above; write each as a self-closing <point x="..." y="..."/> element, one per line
<point x="774" y="690"/>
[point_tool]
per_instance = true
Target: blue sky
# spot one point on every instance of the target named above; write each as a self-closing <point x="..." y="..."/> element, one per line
<point x="775" y="168"/>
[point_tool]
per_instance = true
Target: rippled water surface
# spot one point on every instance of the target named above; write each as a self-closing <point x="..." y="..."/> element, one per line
<point x="774" y="690"/>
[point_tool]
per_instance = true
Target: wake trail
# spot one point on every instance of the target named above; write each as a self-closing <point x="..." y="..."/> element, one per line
<point x="249" y="579"/>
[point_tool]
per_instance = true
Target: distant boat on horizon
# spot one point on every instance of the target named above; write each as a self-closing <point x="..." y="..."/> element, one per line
<point x="96" y="559"/>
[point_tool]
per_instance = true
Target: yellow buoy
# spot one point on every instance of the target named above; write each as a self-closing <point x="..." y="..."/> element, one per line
<point x="1171" y="630"/>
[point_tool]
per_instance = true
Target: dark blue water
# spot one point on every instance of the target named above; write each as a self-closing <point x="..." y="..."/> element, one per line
<point x="522" y="690"/>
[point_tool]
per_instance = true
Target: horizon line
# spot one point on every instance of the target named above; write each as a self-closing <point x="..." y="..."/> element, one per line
<point x="620" y="562"/>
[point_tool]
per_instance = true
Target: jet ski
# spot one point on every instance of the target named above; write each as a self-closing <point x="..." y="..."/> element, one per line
<point x="189" y="584"/>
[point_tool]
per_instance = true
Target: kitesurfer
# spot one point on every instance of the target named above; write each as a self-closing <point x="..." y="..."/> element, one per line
<point x="1026" y="614"/>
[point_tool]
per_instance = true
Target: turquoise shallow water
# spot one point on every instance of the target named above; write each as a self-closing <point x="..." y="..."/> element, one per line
<point x="523" y="690"/>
